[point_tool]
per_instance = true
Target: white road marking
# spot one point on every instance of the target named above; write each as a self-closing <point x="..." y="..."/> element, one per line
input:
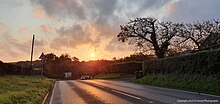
<point x="210" y="95"/>
<point x="197" y="93"/>
<point x="51" y="98"/>
<point x="162" y="88"/>
<point x="126" y="94"/>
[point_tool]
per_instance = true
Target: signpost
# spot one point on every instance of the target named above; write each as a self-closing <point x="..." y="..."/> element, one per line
<point x="42" y="57"/>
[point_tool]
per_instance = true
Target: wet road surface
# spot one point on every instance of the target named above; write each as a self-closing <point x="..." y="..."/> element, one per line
<point x="119" y="92"/>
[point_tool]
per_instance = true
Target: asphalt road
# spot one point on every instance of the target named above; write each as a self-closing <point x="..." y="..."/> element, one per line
<point x="119" y="92"/>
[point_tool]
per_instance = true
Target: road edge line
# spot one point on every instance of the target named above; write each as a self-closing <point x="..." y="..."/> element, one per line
<point x="51" y="98"/>
<point x="210" y="95"/>
<point x="185" y="91"/>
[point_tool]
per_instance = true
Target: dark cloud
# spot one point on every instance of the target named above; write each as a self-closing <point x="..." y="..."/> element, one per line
<point x="115" y="45"/>
<point x="105" y="10"/>
<point x="100" y="12"/>
<point x="61" y="8"/>
<point x="136" y="9"/>
<point x="73" y="36"/>
<point x="193" y="10"/>
<point x="104" y="15"/>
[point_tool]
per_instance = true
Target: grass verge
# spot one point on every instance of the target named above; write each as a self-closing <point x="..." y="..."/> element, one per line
<point x="198" y="83"/>
<point x="112" y="76"/>
<point x="16" y="89"/>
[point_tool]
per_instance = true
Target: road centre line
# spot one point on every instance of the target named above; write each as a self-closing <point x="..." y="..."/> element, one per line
<point x="126" y="94"/>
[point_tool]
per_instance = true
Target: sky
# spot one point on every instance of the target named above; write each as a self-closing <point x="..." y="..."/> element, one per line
<point x="86" y="29"/>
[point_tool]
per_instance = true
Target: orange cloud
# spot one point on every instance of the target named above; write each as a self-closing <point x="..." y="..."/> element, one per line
<point x="39" y="13"/>
<point x="46" y="28"/>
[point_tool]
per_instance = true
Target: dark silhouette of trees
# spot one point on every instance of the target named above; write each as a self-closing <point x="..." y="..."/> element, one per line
<point x="12" y="69"/>
<point x="193" y="34"/>
<point x="55" y="66"/>
<point x="167" y="38"/>
<point x="50" y="57"/>
<point x="75" y="59"/>
<point x="114" y="59"/>
<point x="137" y="57"/>
<point x="197" y="32"/>
<point x="65" y="58"/>
<point x="149" y="33"/>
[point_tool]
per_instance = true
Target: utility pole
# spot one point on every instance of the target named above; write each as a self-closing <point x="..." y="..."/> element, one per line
<point x="32" y="51"/>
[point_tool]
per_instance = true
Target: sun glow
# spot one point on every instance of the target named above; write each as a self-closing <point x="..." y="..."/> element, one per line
<point x="92" y="55"/>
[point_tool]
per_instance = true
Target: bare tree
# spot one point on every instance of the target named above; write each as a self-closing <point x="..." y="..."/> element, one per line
<point x="197" y="32"/>
<point x="193" y="32"/>
<point x="149" y="33"/>
<point x="212" y="26"/>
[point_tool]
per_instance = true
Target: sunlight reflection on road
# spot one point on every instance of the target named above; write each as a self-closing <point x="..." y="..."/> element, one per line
<point x="108" y="98"/>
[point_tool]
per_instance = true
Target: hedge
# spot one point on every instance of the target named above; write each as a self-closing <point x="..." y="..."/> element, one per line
<point x="10" y="69"/>
<point x="205" y="62"/>
<point x="124" y="67"/>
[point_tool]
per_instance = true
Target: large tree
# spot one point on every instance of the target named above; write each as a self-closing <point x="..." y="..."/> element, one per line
<point x="196" y="33"/>
<point x="149" y="32"/>
<point x="50" y="57"/>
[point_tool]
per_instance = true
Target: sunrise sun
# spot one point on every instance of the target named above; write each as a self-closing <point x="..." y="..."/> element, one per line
<point x="92" y="55"/>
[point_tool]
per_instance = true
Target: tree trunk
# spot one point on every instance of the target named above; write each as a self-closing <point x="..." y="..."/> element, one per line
<point x="160" y="54"/>
<point x="163" y="48"/>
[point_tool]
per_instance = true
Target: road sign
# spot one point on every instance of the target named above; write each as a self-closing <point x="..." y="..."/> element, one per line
<point x="67" y="74"/>
<point x="42" y="56"/>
